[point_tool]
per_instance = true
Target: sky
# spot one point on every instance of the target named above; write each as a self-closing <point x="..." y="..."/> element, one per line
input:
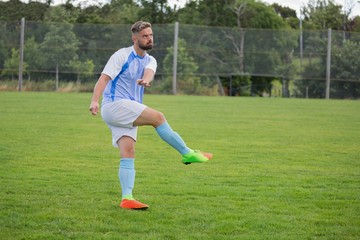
<point x="296" y="4"/>
<point x="293" y="4"/>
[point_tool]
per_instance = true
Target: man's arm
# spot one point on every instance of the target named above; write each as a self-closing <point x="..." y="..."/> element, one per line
<point x="98" y="90"/>
<point x="147" y="78"/>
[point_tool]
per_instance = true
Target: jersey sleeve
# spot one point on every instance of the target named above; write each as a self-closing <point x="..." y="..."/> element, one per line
<point x="152" y="64"/>
<point x="114" y="64"/>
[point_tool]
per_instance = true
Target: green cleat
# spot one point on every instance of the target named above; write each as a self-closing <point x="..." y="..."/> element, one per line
<point x="196" y="156"/>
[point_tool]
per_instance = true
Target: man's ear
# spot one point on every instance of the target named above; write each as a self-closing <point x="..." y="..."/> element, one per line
<point x="133" y="37"/>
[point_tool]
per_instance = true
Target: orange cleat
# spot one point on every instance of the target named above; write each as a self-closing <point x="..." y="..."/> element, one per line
<point x="207" y="155"/>
<point x="133" y="204"/>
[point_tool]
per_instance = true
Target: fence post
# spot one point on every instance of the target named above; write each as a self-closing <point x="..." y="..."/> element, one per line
<point x="176" y="35"/>
<point x="328" y="65"/>
<point x="57" y="77"/>
<point x="21" y="50"/>
<point x="301" y="42"/>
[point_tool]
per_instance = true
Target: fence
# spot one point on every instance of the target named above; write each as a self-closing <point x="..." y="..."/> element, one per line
<point x="191" y="59"/>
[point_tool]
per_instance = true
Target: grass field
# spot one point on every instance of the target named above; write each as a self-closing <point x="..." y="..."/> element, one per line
<point x="282" y="169"/>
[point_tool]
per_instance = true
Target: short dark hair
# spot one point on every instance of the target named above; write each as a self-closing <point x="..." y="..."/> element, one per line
<point x="139" y="26"/>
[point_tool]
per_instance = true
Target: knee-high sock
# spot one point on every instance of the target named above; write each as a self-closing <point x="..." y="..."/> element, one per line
<point x="127" y="176"/>
<point x="172" y="138"/>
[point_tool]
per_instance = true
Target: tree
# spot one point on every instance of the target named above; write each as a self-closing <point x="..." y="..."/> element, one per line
<point x="346" y="66"/>
<point x="62" y="14"/>
<point x="284" y="12"/>
<point x="216" y="13"/>
<point x="278" y="46"/>
<point x="11" y="66"/>
<point x="60" y="44"/>
<point x="3" y="46"/>
<point x="229" y="52"/>
<point x="156" y="11"/>
<point x="122" y="11"/>
<point x="323" y="14"/>
<point x="190" y="14"/>
<point x="286" y="42"/>
<point x="208" y="12"/>
<point x="354" y="24"/>
<point x="83" y="69"/>
<point x="92" y="15"/>
<point x="32" y="53"/>
<point x="314" y="69"/>
<point x="11" y="11"/>
<point x="259" y="15"/>
<point x="288" y="14"/>
<point x="35" y="11"/>
<point x="320" y="14"/>
<point x="187" y="83"/>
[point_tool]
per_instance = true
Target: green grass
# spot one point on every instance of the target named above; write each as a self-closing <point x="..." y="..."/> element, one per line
<point x="282" y="169"/>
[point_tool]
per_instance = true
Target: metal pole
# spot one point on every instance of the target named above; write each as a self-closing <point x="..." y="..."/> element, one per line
<point x="176" y="42"/>
<point x="344" y="22"/>
<point x="21" y="61"/>
<point x="328" y="65"/>
<point x="301" y="42"/>
<point x="230" y="86"/>
<point x="57" y="77"/>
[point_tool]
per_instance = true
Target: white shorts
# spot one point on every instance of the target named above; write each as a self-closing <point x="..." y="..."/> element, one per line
<point x="120" y="116"/>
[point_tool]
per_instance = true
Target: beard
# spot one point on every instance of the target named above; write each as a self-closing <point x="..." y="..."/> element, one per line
<point x="146" y="47"/>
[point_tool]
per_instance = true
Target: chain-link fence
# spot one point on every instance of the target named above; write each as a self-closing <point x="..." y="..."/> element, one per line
<point x="201" y="60"/>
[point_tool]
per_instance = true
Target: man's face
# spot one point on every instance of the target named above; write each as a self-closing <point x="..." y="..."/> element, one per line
<point x="145" y="39"/>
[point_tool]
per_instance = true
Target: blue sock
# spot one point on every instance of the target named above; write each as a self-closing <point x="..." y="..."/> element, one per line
<point x="172" y="138"/>
<point x="127" y="176"/>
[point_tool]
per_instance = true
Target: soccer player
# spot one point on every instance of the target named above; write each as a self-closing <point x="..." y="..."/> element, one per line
<point x="121" y="84"/>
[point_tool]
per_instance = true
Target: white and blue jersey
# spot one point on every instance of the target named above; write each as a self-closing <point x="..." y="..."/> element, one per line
<point x="124" y="68"/>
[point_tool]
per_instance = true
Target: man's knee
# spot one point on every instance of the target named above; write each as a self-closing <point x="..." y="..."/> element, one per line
<point x="127" y="152"/>
<point x="160" y="119"/>
<point x="126" y="147"/>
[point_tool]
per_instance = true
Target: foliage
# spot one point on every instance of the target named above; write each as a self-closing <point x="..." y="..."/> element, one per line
<point x="15" y="9"/>
<point x="355" y="24"/>
<point x="314" y="72"/>
<point x="215" y="13"/>
<point x="63" y="43"/>
<point x="346" y="65"/>
<point x="237" y="85"/>
<point x="190" y="14"/>
<point x="186" y="66"/>
<point x="259" y="15"/>
<point x="84" y="70"/>
<point x="103" y="27"/>
<point x="319" y="14"/>
<point x="122" y="11"/>
<point x="11" y="66"/>
<point x="60" y="38"/>
<point x="323" y="14"/>
<point x="33" y="55"/>
<point x="155" y="11"/>
<point x="284" y="12"/>
<point x="288" y="14"/>
<point x="314" y="86"/>
<point x="3" y="49"/>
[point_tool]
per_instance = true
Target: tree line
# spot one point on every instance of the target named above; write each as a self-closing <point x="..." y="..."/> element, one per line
<point x="317" y="14"/>
<point x="239" y="14"/>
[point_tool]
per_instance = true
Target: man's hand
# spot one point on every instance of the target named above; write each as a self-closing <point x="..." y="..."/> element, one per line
<point x="94" y="108"/>
<point x="143" y="83"/>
